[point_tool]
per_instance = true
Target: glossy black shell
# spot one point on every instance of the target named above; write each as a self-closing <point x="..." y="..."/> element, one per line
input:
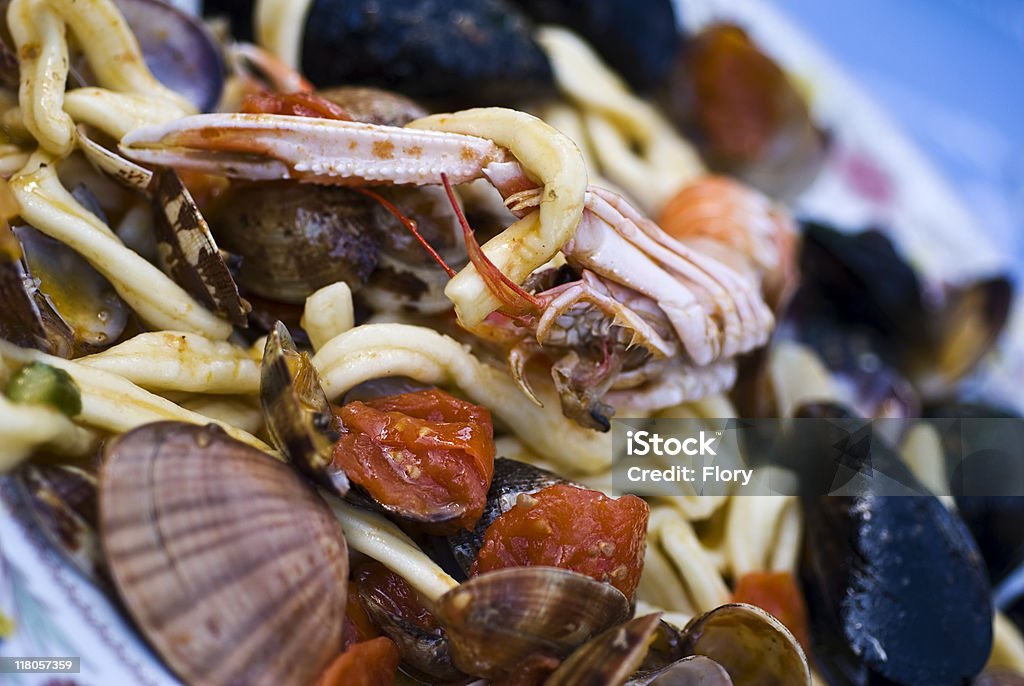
<point x="896" y="589"/>
<point x="638" y="38"/>
<point x="459" y="52"/>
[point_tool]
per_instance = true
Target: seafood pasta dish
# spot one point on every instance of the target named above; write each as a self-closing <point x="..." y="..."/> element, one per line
<point x="351" y="342"/>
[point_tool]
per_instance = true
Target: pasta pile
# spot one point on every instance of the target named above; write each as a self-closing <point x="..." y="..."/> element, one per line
<point x="189" y="367"/>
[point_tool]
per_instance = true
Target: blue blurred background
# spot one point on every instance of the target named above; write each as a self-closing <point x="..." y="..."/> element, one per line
<point x="951" y="72"/>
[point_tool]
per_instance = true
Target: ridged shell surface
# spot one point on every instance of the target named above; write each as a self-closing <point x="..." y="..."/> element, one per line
<point x="232" y="566"/>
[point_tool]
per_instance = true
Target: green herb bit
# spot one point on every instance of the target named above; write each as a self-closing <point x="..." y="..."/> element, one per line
<point x="40" y="384"/>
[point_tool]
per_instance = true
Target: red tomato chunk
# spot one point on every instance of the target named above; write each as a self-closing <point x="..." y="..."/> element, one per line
<point x="572" y="528"/>
<point x="425" y="452"/>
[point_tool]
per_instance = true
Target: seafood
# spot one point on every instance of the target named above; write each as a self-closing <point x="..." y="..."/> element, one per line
<point x="931" y="334"/>
<point x="497" y="620"/>
<point x="872" y="567"/>
<point x="178" y="49"/>
<point x="743" y="112"/>
<point x="634" y="294"/>
<point x="76" y="308"/>
<point x="62" y="499"/>
<point x="638" y="39"/>
<point x="338" y="210"/>
<point x="460" y="51"/>
<point x="232" y="567"/>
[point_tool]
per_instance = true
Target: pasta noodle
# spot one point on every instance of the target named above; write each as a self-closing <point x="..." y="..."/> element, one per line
<point x="328" y="313"/>
<point x="617" y="123"/>
<point x="533" y="240"/>
<point x="38" y="35"/>
<point x="704" y="584"/>
<point x="378" y="350"/>
<point x="375" y="536"/>
<point x="177" y="361"/>
<point x="113" y="403"/>
<point x="27" y="428"/>
<point x="155" y="297"/>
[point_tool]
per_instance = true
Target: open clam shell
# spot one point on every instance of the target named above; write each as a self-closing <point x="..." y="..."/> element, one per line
<point x="498" y="619"/>
<point x="754" y="648"/>
<point x="696" y="670"/>
<point x="610" y="658"/>
<point x="232" y="566"/>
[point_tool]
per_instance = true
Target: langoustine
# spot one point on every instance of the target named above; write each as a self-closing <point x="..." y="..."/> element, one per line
<point x="631" y="316"/>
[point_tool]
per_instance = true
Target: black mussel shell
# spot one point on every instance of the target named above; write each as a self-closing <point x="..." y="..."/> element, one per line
<point x="857" y="281"/>
<point x="896" y="588"/>
<point x="512" y="478"/>
<point x="860" y="300"/>
<point x="638" y="38"/>
<point x="466" y="52"/>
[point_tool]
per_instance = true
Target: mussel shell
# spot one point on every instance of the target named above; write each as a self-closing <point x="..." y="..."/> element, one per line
<point x="695" y="670"/>
<point x="639" y="39"/>
<point x="496" y="620"/>
<point x="512" y="478"/>
<point x="27" y="317"/>
<point x="857" y="282"/>
<point x="960" y="334"/>
<point x="467" y="52"/>
<point x="232" y="567"/>
<point x="295" y="239"/>
<point x="607" y="659"/>
<point x="896" y="591"/>
<point x="383" y="387"/>
<point x="743" y="112"/>
<point x="178" y="49"/>
<point x="75" y="293"/>
<point x="298" y="415"/>
<point x="751" y="645"/>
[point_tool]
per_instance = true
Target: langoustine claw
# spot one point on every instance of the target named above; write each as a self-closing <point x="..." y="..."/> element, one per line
<point x="623" y="309"/>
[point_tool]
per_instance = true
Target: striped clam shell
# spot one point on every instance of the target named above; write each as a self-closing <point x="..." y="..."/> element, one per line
<point x="231" y="565"/>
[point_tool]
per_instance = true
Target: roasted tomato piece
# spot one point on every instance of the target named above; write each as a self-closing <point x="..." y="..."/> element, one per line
<point x="572" y="528"/>
<point x="426" y="456"/>
<point x="777" y="594"/>
<point x="368" y="663"/>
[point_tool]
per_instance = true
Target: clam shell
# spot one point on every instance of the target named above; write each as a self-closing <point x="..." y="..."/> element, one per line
<point x="496" y="620"/>
<point x="754" y="648"/>
<point x="695" y="670"/>
<point x="298" y="414"/>
<point x="610" y="658"/>
<point x="233" y="568"/>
